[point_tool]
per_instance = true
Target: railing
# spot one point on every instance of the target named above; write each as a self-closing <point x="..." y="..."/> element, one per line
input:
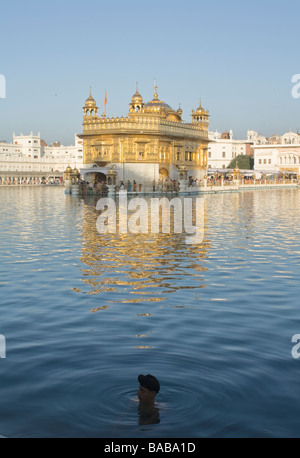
<point x="168" y="127"/>
<point x="252" y="182"/>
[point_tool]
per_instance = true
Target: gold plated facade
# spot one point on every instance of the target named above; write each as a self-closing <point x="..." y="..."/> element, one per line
<point x="152" y="133"/>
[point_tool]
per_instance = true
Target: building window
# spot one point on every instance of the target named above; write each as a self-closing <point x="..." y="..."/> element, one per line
<point x="224" y="154"/>
<point x="259" y="161"/>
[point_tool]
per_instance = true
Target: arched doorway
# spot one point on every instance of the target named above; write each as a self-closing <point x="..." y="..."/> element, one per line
<point x="100" y="177"/>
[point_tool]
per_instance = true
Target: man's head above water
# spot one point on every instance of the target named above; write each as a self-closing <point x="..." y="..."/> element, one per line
<point x="149" y="387"/>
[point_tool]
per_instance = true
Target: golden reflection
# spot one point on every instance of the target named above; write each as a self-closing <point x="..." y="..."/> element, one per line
<point x="140" y="292"/>
<point x="77" y="290"/>
<point x="142" y="299"/>
<point x="122" y="265"/>
<point x="101" y="290"/>
<point x="105" y="307"/>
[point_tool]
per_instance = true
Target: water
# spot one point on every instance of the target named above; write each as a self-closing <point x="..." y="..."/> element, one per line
<point x="84" y="314"/>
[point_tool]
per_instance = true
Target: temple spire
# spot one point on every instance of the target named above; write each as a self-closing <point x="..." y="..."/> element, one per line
<point x="155" y="91"/>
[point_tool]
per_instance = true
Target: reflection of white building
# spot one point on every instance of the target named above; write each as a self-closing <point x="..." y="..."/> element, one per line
<point x="30" y="154"/>
<point x="276" y="154"/>
<point x="223" y="148"/>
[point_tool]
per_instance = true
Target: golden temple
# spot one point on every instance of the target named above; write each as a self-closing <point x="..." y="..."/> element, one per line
<point x="152" y="143"/>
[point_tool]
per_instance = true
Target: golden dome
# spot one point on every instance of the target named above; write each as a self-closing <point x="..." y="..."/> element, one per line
<point x="137" y="98"/>
<point x="90" y="102"/>
<point x="200" y="110"/>
<point x="158" y="106"/>
<point x="68" y="169"/>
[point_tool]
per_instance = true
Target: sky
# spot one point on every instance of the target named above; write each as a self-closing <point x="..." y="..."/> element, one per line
<point x="238" y="57"/>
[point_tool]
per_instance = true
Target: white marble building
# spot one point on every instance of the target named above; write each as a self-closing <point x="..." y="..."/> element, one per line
<point x="277" y="153"/>
<point x="31" y="155"/>
<point x="223" y="148"/>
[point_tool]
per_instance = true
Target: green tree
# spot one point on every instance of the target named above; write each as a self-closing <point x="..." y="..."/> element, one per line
<point x="243" y="162"/>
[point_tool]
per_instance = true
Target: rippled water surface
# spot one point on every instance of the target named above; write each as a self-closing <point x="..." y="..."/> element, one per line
<point x="84" y="314"/>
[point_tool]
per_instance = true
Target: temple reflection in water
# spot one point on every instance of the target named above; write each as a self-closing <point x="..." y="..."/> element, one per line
<point x="134" y="268"/>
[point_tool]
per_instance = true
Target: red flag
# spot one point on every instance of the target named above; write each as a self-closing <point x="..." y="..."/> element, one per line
<point x="105" y="102"/>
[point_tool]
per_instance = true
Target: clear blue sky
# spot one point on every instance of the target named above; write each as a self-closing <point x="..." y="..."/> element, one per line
<point x="238" y="56"/>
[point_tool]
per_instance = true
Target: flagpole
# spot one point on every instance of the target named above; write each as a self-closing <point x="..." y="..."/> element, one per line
<point x="105" y="102"/>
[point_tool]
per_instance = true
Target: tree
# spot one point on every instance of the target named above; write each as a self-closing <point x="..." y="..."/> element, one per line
<point x="243" y="161"/>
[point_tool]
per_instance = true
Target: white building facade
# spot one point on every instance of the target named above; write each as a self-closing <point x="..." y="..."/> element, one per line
<point x="276" y="154"/>
<point x="223" y="149"/>
<point x="29" y="154"/>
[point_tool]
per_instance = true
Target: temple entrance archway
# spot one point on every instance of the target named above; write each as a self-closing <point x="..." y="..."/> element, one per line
<point x="100" y="177"/>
